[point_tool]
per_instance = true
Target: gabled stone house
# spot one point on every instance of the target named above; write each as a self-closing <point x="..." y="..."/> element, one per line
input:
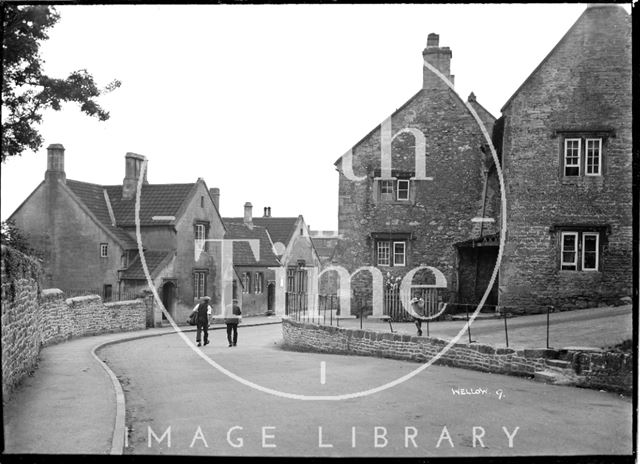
<point x="254" y="266"/>
<point x="293" y="248"/>
<point x="429" y="200"/>
<point x="567" y="163"/>
<point x="87" y="235"/>
<point x="564" y="144"/>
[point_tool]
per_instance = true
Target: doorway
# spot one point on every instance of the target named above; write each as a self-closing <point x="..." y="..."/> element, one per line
<point x="168" y="298"/>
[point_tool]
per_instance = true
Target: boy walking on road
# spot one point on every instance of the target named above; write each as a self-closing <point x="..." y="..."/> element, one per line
<point x="232" y="324"/>
<point x="202" y="319"/>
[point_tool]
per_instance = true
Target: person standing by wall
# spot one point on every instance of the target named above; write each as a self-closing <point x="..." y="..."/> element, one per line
<point x="232" y="324"/>
<point x="417" y="304"/>
<point x="203" y="312"/>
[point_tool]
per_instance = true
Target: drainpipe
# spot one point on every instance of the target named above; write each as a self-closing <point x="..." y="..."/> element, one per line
<point x="484" y="204"/>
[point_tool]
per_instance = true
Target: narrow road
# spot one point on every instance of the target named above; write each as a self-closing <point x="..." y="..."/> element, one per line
<point x="191" y="408"/>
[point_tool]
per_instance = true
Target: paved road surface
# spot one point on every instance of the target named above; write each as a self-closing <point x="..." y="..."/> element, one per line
<point x="167" y="385"/>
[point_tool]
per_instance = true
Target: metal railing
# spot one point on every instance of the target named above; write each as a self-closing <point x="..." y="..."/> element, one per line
<point x="445" y="325"/>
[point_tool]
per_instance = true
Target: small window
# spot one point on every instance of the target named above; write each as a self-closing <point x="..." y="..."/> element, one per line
<point x="398" y="253"/>
<point x="291" y="279"/>
<point x="104" y="250"/>
<point x="590" y="251"/>
<point x="386" y="187"/>
<point x="572" y="157"/>
<point x="199" y="284"/>
<point x="580" y="251"/>
<point x="384" y="253"/>
<point x="258" y="282"/>
<point x="200" y="232"/>
<point x="593" y="157"/>
<point x="391" y="253"/>
<point x="246" y="282"/>
<point x="201" y="201"/>
<point x="403" y="189"/>
<point x="569" y="251"/>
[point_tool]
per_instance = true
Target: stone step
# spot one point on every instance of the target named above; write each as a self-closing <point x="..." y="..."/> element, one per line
<point x="552" y="377"/>
<point x="558" y="363"/>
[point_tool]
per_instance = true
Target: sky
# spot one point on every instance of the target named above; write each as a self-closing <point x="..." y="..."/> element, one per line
<point x="261" y="100"/>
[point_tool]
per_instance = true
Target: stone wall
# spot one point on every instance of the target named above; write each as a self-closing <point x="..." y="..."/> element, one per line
<point x="613" y="371"/>
<point x="33" y="318"/>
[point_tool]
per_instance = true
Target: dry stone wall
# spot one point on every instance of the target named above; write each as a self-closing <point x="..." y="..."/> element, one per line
<point x="33" y="318"/>
<point x="613" y="371"/>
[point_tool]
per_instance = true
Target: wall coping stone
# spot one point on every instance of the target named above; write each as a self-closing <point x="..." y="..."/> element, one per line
<point x="123" y="303"/>
<point x="80" y="299"/>
<point x="52" y="293"/>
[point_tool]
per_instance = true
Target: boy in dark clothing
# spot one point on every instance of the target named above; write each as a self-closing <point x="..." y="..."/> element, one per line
<point x="232" y="324"/>
<point x="202" y="321"/>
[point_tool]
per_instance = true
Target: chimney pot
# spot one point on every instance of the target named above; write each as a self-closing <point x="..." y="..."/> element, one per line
<point x="433" y="40"/>
<point x="268" y="211"/>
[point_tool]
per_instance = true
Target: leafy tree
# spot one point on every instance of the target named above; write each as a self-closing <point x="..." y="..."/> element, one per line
<point x="26" y="90"/>
<point x="12" y="236"/>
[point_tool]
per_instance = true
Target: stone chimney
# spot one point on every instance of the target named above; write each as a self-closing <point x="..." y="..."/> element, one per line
<point x="133" y="167"/>
<point x="440" y="58"/>
<point x="248" y="220"/>
<point x="215" y="194"/>
<point x="55" y="164"/>
<point x="267" y="211"/>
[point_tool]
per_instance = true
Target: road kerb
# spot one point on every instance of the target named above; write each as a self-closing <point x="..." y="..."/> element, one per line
<point x="119" y="428"/>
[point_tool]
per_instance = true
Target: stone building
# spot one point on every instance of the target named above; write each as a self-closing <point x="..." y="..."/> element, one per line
<point x="293" y="249"/>
<point x="567" y="159"/>
<point x="254" y="266"/>
<point x="416" y="186"/>
<point x="564" y="143"/>
<point x="87" y="233"/>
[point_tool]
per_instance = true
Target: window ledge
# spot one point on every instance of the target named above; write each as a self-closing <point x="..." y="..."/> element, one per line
<point x="566" y="272"/>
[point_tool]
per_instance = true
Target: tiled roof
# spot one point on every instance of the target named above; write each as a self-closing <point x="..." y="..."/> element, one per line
<point x="155" y="262"/>
<point x="155" y="200"/>
<point x="92" y="196"/>
<point x="242" y="253"/>
<point x="280" y="228"/>
<point x="325" y="246"/>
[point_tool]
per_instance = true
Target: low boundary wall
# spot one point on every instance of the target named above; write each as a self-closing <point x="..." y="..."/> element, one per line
<point x="593" y="369"/>
<point x="33" y="318"/>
